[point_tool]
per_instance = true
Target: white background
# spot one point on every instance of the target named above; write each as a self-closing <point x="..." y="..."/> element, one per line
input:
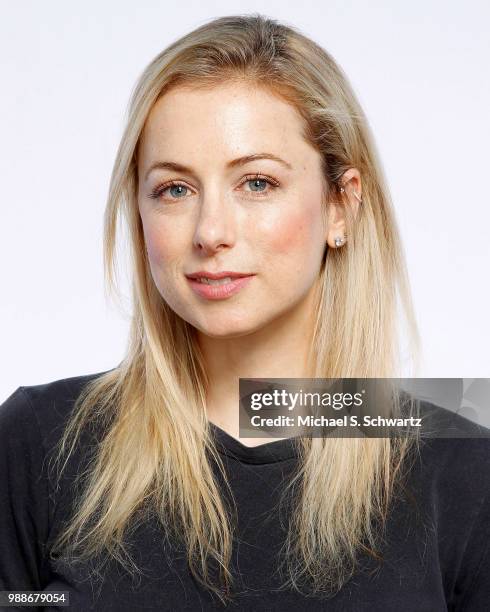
<point x="420" y="70"/>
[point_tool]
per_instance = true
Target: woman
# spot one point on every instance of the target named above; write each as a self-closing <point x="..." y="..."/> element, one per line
<point x="246" y="155"/>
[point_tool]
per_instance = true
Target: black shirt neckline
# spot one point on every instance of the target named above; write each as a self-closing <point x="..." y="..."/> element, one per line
<point x="268" y="452"/>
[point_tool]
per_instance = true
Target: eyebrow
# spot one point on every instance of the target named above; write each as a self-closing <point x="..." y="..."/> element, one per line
<point x="240" y="161"/>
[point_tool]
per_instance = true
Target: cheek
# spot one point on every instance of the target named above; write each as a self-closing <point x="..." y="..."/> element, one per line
<point x="162" y="244"/>
<point x="296" y="233"/>
<point x="289" y="235"/>
<point x="165" y="252"/>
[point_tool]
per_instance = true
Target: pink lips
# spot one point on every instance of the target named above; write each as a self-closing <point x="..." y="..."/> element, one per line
<point x="219" y="292"/>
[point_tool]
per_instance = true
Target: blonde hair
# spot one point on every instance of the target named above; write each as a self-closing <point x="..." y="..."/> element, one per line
<point x="157" y="451"/>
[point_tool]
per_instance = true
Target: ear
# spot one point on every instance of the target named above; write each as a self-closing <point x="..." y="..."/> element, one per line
<point x="350" y="196"/>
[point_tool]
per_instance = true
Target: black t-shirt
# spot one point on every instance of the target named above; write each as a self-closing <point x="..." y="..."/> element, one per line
<point x="435" y="553"/>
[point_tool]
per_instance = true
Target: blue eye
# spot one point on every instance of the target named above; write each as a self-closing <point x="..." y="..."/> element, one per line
<point x="161" y="189"/>
<point x="178" y="188"/>
<point x="255" y="181"/>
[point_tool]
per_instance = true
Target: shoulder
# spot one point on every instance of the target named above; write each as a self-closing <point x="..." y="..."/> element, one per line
<point x="41" y="410"/>
<point x="31" y="422"/>
<point x="453" y="446"/>
<point x="450" y="479"/>
<point x="454" y="484"/>
<point x="454" y="454"/>
<point x="455" y="474"/>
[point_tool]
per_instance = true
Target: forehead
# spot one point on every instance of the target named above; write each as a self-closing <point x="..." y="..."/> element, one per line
<point x="231" y="119"/>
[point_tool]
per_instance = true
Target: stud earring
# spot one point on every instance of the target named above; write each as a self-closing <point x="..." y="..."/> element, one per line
<point x="338" y="241"/>
<point x="342" y="190"/>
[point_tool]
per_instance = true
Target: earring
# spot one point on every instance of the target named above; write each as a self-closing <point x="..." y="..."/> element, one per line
<point x="342" y="190"/>
<point x="338" y="241"/>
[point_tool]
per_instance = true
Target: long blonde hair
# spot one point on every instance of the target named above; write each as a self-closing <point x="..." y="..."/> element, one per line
<point x="157" y="450"/>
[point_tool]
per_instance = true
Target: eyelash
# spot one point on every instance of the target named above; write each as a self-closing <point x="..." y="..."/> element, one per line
<point x="160" y="189"/>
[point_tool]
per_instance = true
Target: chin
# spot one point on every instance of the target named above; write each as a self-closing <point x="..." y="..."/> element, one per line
<point x="226" y="329"/>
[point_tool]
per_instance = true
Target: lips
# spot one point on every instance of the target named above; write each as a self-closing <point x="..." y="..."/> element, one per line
<point x="217" y="275"/>
<point x="205" y="284"/>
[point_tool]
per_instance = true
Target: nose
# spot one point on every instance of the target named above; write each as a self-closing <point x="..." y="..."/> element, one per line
<point x="215" y="224"/>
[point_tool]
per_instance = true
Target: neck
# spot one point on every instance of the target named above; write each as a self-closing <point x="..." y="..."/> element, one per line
<point x="280" y="349"/>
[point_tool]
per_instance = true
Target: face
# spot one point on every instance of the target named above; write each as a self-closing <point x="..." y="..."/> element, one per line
<point x="207" y="205"/>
